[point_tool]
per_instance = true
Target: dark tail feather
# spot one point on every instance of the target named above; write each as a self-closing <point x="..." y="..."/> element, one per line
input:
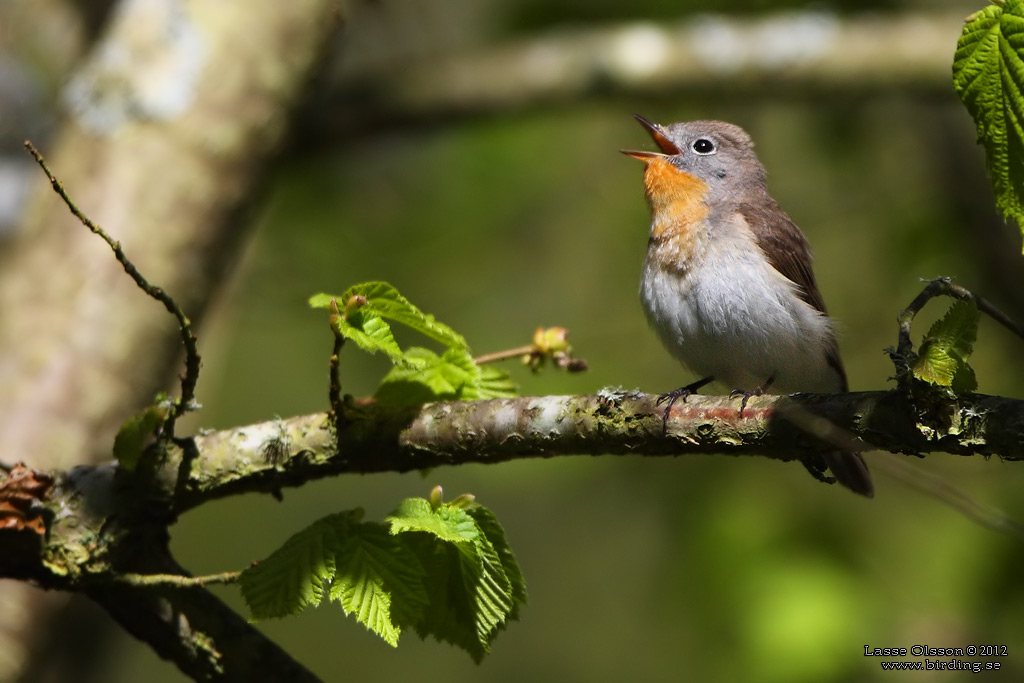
<point x="851" y="471"/>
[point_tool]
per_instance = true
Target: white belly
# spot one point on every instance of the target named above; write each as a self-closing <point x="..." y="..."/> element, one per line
<point x="736" y="318"/>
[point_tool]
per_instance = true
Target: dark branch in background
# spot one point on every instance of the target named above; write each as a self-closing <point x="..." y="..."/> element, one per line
<point x="192" y="361"/>
<point x="728" y="55"/>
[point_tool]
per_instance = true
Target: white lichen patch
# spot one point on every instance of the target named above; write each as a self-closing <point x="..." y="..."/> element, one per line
<point x="549" y="414"/>
<point x="145" y="68"/>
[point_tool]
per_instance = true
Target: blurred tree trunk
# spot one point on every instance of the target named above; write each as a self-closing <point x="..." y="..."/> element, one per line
<point x="173" y="121"/>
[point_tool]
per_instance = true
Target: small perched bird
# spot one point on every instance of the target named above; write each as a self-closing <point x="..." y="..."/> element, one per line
<point x="727" y="281"/>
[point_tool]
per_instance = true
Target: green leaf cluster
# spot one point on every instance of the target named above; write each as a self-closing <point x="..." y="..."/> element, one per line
<point x="419" y="375"/>
<point x="988" y="75"/>
<point x="442" y="569"/>
<point x="942" y="358"/>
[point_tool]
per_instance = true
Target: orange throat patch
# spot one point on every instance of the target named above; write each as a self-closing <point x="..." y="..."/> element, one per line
<point x="678" y="209"/>
<point x="676" y="197"/>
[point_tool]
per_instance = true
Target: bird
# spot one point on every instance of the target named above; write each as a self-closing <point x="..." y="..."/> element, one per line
<point x="727" y="282"/>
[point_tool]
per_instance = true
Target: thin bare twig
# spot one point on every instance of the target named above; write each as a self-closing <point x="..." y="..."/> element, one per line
<point x="334" y="390"/>
<point x="943" y="286"/>
<point x="192" y="360"/>
<point x="177" y="580"/>
<point x="495" y="356"/>
<point x="547" y="343"/>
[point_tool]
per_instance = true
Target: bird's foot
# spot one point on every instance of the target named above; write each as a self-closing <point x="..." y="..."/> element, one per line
<point x="681" y="393"/>
<point x="757" y="391"/>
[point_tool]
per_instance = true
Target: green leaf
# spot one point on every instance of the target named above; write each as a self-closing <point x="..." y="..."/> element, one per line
<point x="294" y="576"/>
<point x="385" y="301"/>
<point x="447" y="523"/>
<point x="492" y="529"/>
<point x="489" y="589"/>
<point x="379" y="581"/>
<point x="958" y="329"/>
<point x="370" y="333"/>
<point x="425" y="376"/>
<point x="496" y="383"/>
<point x="942" y="358"/>
<point x="132" y="436"/>
<point x="474" y="583"/>
<point x="445" y="570"/>
<point x="988" y="75"/>
<point x="365" y="307"/>
<point x="934" y="364"/>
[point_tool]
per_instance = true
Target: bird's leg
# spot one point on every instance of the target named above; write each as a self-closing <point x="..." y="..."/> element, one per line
<point x="757" y="391"/>
<point x="680" y="393"/>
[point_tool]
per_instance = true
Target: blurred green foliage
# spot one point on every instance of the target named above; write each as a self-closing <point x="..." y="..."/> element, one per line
<point x="702" y="568"/>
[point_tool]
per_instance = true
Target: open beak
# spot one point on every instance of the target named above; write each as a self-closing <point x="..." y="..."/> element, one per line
<point x="659" y="137"/>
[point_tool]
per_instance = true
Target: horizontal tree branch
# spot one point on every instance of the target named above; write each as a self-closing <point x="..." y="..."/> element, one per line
<point x="97" y="514"/>
<point x="375" y="438"/>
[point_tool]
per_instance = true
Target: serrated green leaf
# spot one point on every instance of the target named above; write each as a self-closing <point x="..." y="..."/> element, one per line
<point x="958" y="329"/>
<point x="370" y="332"/>
<point x="934" y="364"/>
<point x="470" y="599"/>
<point x="474" y="583"/>
<point x="942" y="358"/>
<point x="490" y="527"/>
<point x="988" y="75"/>
<point x="450" y="616"/>
<point x="496" y="383"/>
<point x="379" y="581"/>
<point x="294" y="576"/>
<point x="489" y="587"/>
<point x="132" y="436"/>
<point x="385" y="300"/>
<point x="425" y="376"/>
<point x="445" y="522"/>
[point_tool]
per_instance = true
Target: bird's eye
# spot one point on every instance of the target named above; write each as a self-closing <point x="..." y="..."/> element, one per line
<point x="703" y="146"/>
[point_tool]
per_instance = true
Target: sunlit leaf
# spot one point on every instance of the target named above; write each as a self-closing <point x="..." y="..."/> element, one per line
<point x="988" y="75"/>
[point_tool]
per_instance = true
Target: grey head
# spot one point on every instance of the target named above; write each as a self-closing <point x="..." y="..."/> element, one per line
<point x="719" y="153"/>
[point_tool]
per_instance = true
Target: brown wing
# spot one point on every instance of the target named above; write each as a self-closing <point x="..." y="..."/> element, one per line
<point x="786" y="248"/>
<point x="788" y="252"/>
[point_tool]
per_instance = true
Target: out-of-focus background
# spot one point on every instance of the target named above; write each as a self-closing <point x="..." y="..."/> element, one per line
<point x="502" y="204"/>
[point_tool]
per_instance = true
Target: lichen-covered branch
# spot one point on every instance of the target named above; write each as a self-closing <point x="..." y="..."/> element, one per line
<point x="375" y="438"/>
